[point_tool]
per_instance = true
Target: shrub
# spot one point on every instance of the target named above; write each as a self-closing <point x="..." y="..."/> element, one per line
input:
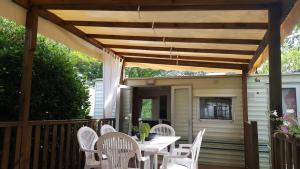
<point x="58" y="92"/>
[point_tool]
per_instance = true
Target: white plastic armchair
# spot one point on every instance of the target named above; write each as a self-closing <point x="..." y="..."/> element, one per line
<point x="119" y="148"/>
<point x="87" y="139"/>
<point x="107" y="129"/>
<point x="164" y="130"/>
<point x="190" y="158"/>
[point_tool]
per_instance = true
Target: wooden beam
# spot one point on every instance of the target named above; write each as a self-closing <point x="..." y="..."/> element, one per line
<point x="245" y="95"/>
<point x="177" y="39"/>
<point x="221" y="51"/>
<point x="185" y="63"/>
<point x="166" y="25"/>
<point x="199" y="58"/>
<point x="147" y="5"/>
<point x="152" y="2"/>
<point x="275" y="93"/>
<point x="245" y="111"/>
<point x="30" y="46"/>
<point x="263" y="44"/>
<point x="122" y="7"/>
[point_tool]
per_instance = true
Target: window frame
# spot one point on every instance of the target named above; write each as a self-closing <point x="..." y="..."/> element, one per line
<point x="233" y="108"/>
<point x="297" y="88"/>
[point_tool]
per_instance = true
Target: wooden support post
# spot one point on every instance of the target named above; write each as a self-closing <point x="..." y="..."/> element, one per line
<point x="30" y="45"/>
<point x="275" y="92"/>
<point x="275" y="89"/>
<point x="245" y="112"/>
<point x="244" y="95"/>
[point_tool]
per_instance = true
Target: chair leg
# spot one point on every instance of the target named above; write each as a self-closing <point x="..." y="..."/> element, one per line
<point x="86" y="167"/>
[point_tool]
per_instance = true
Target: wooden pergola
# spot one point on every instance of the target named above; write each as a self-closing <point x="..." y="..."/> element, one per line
<point x="233" y="35"/>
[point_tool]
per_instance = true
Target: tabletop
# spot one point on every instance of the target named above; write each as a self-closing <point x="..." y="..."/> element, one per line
<point x="158" y="143"/>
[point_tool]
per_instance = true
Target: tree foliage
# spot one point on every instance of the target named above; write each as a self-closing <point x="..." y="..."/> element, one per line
<point x="290" y="56"/>
<point x="58" y="78"/>
<point x="133" y="72"/>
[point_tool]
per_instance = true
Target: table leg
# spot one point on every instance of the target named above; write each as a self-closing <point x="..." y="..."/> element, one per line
<point x="155" y="161"/>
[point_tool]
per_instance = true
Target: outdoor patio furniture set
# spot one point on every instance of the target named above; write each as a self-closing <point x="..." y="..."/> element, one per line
<point x="114" y="150"/>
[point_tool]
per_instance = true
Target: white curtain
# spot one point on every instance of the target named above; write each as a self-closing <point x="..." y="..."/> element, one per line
<point x="111" y="74"/>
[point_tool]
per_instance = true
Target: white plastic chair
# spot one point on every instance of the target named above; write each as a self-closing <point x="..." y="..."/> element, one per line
<point x="87" y="139"/>
<point x="107" y="129"/>
<point x="119" y="148"/>
<point x="187" y="161"/>
<point x="164" y="130"/>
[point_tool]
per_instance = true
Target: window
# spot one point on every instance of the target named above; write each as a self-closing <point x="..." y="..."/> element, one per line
<point x="289" y="100"/>
<point x="146" y="109"/>
<point x="219" y="108"/>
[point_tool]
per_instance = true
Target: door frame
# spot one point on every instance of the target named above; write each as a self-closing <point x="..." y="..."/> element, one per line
<point x="190" y="112"/>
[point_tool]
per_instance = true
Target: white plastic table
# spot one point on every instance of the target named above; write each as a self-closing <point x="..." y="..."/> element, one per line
<point x="156" y="145"/>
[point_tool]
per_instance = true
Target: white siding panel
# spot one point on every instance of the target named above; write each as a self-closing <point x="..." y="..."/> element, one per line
<point x="181" y="109"/>
<point x="99" y="99"/>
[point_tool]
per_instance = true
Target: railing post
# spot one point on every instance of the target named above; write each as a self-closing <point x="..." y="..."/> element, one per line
<point x="30" y="45"/>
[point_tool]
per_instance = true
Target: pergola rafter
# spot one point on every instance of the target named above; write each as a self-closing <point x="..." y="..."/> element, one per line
<point x="182" y="42"/>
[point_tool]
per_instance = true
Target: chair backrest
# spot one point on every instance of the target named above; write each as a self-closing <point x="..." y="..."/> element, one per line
<point x="196" y="149"/>
<point x="119" y="148"/>
<point x="163" y="130"/>
<point x="87" y="138"/>
<point x="107" y="129"/>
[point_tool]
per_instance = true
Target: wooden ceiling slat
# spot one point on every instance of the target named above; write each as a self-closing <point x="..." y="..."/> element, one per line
<point x="186" y="63"/>
<point x="201" y="58"/>
<point x="177" y="39"/>
<point x="262" y="6"/>
<point x="160" y="25"/>
<point x="221" y="51"/>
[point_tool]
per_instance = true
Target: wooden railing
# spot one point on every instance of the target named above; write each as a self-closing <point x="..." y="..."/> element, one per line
<point x="51" y="144"/>
<point x="251" y="145"/>
<point x="286" y="151"/>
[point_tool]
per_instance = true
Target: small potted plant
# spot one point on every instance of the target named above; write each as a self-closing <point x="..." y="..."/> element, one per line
<point x="287" y="124"/>
<point x="135" y="130"/>
<point x="144" y="131"/>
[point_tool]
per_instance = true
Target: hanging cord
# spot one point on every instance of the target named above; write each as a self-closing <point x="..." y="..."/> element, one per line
<point x="171" y="52"/>
<point x="164" y="41"/>
<point x="177" y="60"/>
<point x="139" y="11"/>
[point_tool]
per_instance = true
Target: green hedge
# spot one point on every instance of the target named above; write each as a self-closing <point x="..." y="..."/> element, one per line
<point x="59" y="89"/>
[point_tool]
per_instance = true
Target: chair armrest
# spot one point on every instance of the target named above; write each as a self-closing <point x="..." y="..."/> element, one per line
<point x="89" y="150"/>
<point x="185" y="146"/>
<point x="145" y="158"/>
<point x="182" y="152"/>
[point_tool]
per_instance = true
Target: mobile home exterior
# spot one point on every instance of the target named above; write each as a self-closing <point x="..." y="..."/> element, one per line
<point x="223" y="144"/>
